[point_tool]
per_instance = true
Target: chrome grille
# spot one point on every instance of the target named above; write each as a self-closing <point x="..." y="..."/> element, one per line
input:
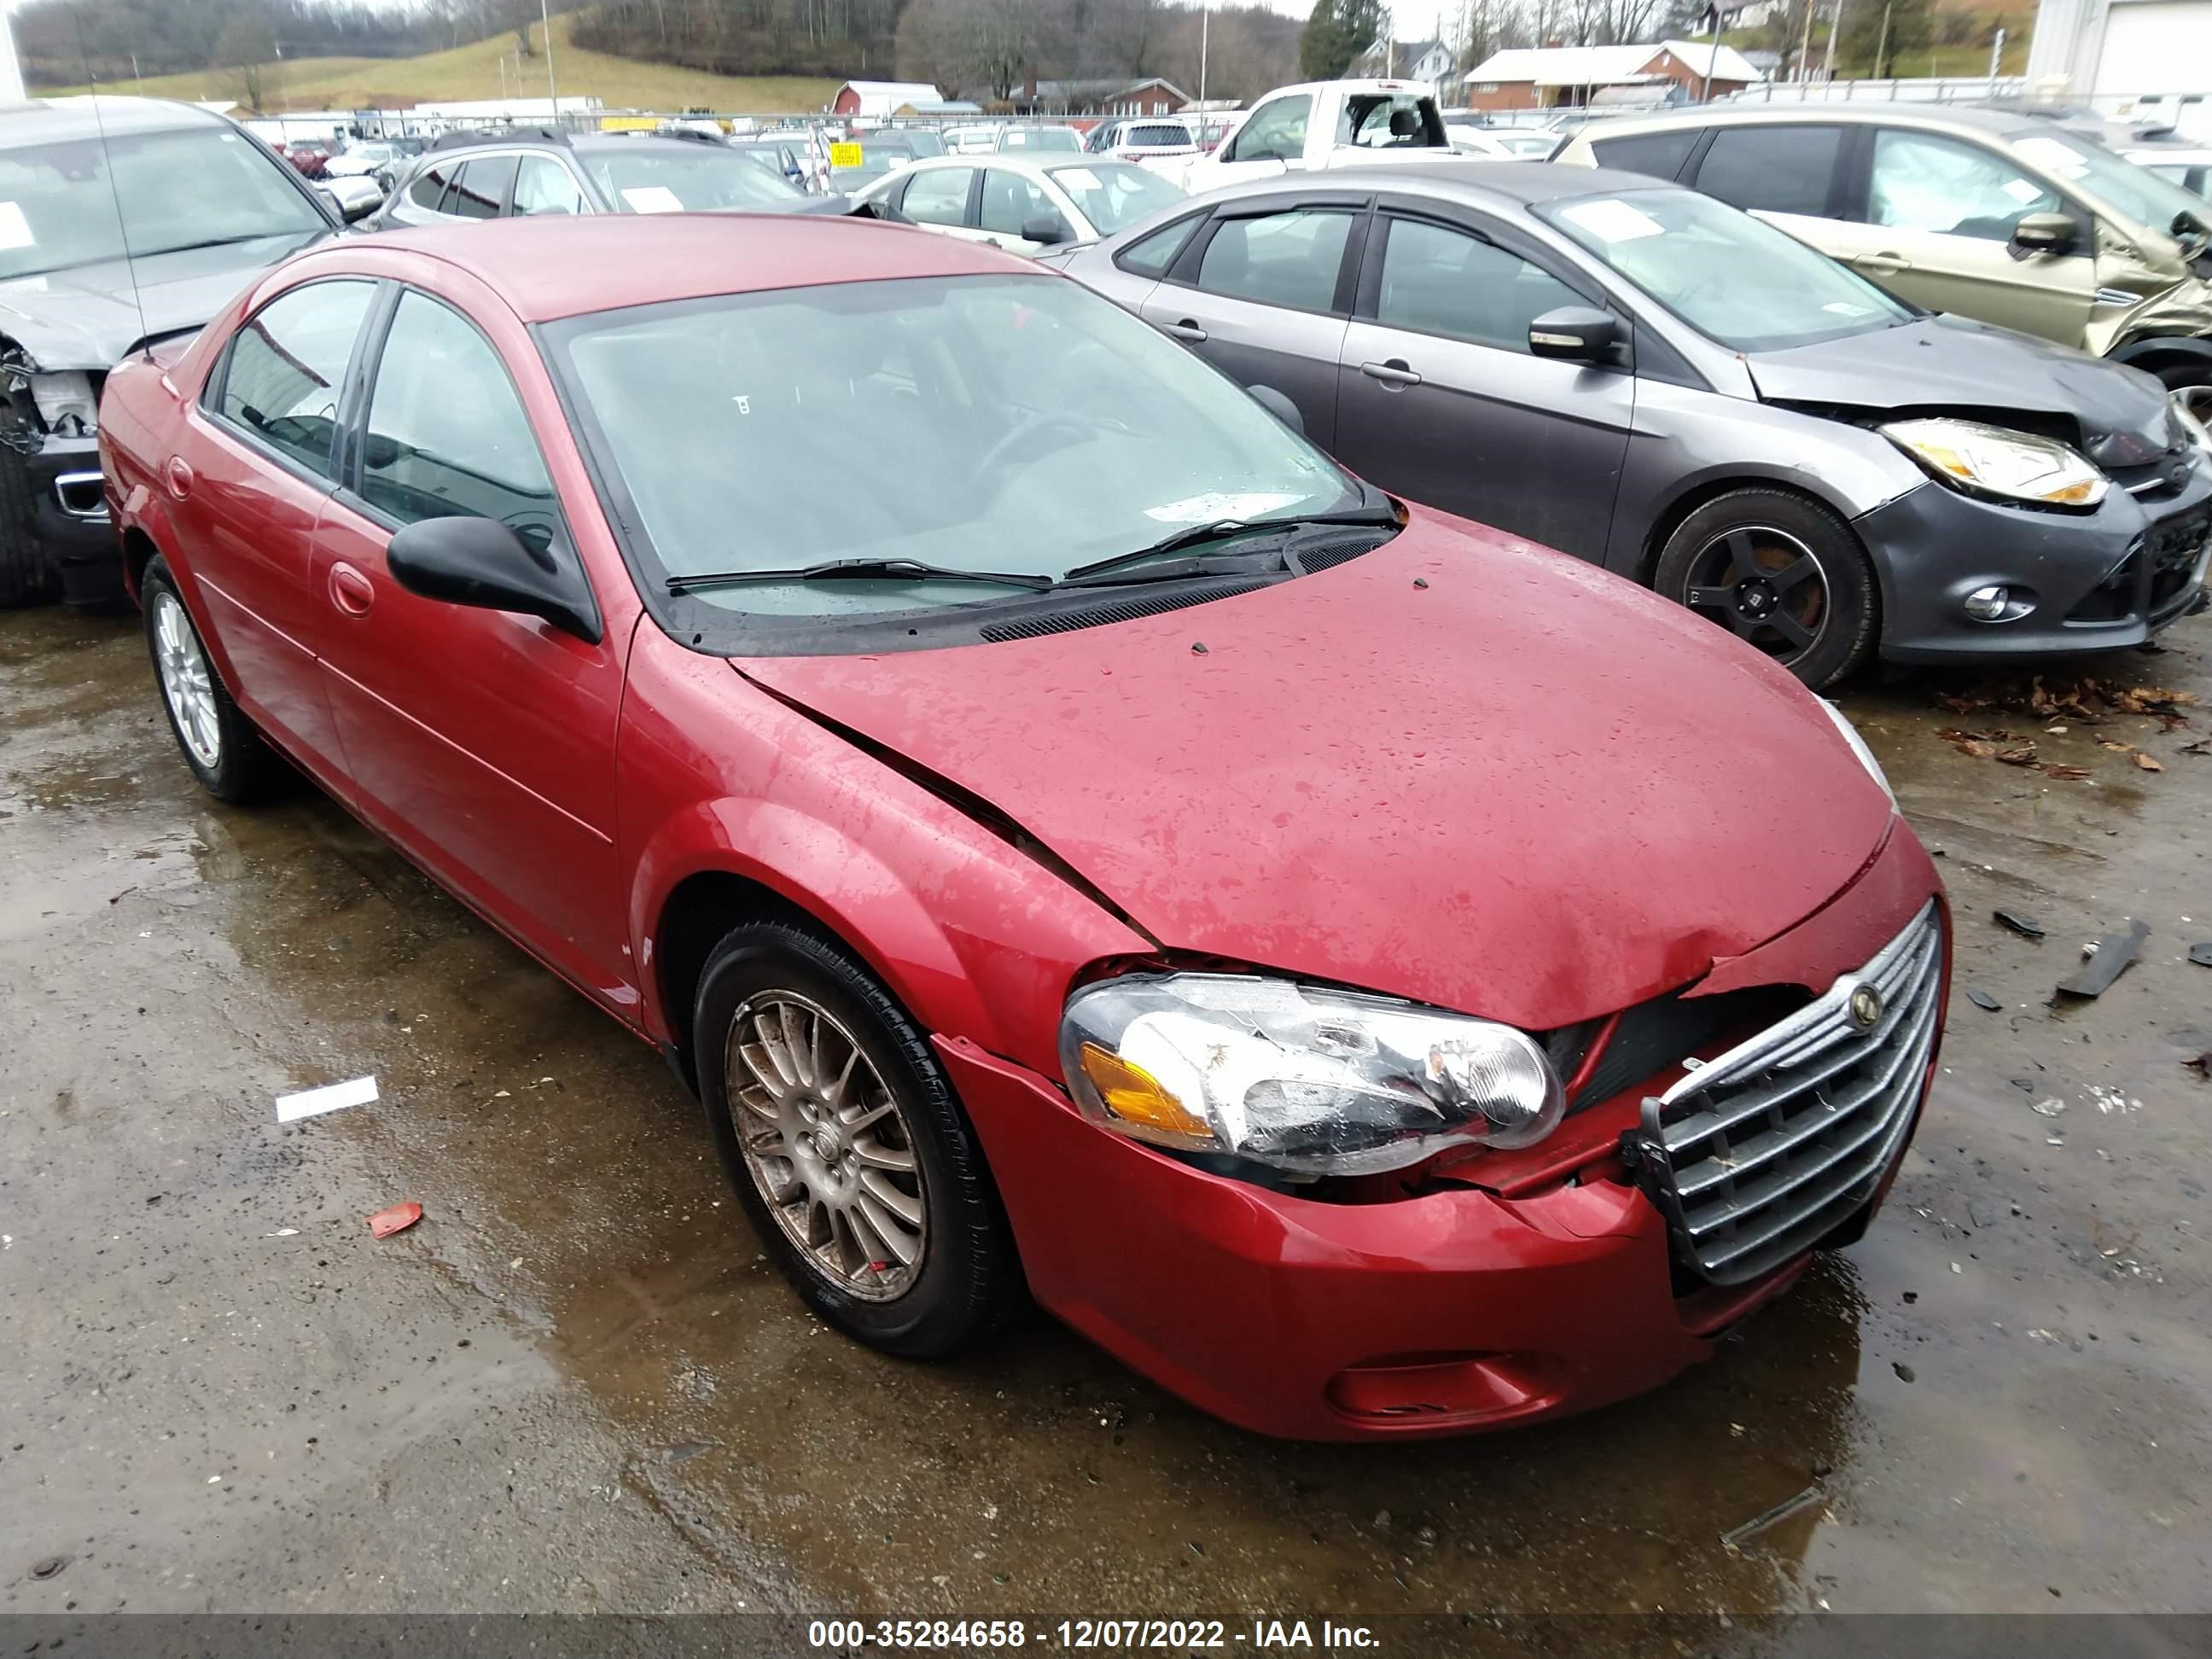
<point x="1756" y="1155"/>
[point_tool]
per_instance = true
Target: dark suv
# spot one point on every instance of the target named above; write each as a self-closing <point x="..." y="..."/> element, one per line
<point x="123" y="221"/>
<point x="496" y="175"/>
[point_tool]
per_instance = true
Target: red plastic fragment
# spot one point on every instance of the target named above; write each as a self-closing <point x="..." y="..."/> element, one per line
<point x="397" y="1219"/>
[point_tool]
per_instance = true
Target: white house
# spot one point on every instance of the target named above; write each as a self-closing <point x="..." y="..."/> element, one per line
<point x="1431" y="61"/>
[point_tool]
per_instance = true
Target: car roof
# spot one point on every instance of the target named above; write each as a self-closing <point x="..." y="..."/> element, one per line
<point x="1999" y="124"/>
<point x="553" y="266"/>
<point x="1497" y="186"/>
<point x="44" y="120"/>
<point x="1016" y="161"/>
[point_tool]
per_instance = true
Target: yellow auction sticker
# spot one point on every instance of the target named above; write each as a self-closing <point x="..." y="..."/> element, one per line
<point x="845" y="155"/>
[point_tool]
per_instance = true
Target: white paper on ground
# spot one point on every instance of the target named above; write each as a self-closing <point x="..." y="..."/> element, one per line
<point x="332" y="1097"/>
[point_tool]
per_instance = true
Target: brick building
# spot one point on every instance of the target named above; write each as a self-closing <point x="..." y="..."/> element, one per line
<point x="1568" y="77"/>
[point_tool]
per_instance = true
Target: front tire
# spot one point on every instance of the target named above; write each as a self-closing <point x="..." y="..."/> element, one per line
<point x="28" y="575"/>
<point x="847" y="1147"/>
<point x="219" y="744"/>
<point x="1783" y="573"/>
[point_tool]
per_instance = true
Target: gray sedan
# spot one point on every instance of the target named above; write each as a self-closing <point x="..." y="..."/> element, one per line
<point x="1650" y="379"/>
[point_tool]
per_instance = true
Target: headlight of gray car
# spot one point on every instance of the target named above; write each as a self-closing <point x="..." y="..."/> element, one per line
<point x="1990" y="460"/>
<point x="1303" y="1078"/>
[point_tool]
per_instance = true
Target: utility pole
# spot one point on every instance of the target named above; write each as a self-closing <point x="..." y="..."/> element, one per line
<point x="1996" y="52"/>
<point x="1881" y="48"/>
<point x="1712" y="58"/>
<point x="1805" y="47"/>
<point x="1835" y="28"/>
<point x="552" y="90"/>
<point x="1204" y="31"/>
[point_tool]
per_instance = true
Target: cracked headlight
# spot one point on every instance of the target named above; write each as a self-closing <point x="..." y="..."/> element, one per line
<point x="1304" y="1078"/>
<point x="1989" y="460"/>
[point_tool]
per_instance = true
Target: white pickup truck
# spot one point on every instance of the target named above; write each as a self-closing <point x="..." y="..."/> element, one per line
<point x="1323" y="124"/>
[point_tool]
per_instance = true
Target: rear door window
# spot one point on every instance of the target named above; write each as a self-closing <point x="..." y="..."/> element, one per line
<point x="1290" y="260"/>
<point x="286" y="369"/>
<point x="481" y="190"/>
<point x="544" y="186"/>
<point x="1776" y="169"/>
<point x="1658" y="154"/>
<point x="429" y="186"/>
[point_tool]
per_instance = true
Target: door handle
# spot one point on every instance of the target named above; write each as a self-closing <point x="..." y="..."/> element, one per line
<point x="1884" y="264"/>
<point x="1396" y="373"/>
<point x="351" y="591"/>
<point x="1186" y="331"/>
<point x="179" y="473"/>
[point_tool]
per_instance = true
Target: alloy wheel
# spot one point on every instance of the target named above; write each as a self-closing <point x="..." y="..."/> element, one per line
<point x="1765" y="584"/>
<point x="186" y="682"/>
<point x="827" y="1145"/>
<point x="2197" y="400"/>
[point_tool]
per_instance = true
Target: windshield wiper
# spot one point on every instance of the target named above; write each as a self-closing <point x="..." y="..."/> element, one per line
<point x="853" y="569"/>
<point x="221" y="241"/>
<point x="1218" y="530"/>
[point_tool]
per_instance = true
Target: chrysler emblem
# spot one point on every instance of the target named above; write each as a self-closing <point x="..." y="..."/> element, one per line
<point x="1866" y="1007"/>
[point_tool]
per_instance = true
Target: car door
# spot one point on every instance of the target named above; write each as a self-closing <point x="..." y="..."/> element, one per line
<point x="1792" y="174"/>
<point x="1262" y="293"/>
<point x="254" y="468"/>
<point x="1014" y="203"/>
<point x="480" y="741"/>
<point x="1936" y="229"/>
<point x="1271" y="140"/>
<point x="942" y="199"/>
<point x="1439" y="397"/>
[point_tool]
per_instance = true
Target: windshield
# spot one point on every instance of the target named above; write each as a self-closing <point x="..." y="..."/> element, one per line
<point x="925" y="143"/>
<point x="371" y="152"/>
<point x="1732" y="278"/>
<point x="183" y="188"/>
<point x="1112" y="194"/>
<point x="685" y="178"/>
<point x="1014" y="423"/>
<point x="2134" y="192"/>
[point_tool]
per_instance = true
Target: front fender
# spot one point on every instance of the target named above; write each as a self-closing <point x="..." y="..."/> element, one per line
<point x="974" y="936"/>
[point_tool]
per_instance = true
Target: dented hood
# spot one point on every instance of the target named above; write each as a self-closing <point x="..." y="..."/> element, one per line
<point x="1528" y="790"/>
<point x="88" y="316"/>
<point x="1955" y="365"/>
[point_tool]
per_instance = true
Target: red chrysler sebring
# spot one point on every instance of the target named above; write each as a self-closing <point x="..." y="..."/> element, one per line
<point x="1374" y="975"/>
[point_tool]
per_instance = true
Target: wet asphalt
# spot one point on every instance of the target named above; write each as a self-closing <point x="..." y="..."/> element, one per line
<point x="577" y="1386"/>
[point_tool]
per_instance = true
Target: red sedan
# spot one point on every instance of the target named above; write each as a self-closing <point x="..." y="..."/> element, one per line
<point x="1374" y="975"/>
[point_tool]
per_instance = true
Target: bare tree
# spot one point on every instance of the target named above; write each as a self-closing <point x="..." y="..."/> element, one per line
<point x="243" y="47"/>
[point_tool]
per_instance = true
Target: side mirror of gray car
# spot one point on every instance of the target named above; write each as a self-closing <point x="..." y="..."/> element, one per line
<point x="2043" y="233"/>
<point x="1576" y="333"/>
<point x="483" y="562"/>
<point x="1045" y="228"/>
<point x="1278" y="405"/>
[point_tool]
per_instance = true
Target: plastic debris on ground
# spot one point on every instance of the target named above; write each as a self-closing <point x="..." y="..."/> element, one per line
<point x="397" y="1219"/>
<point x="2026" y="926"/>
<point x="1982" y="999"/>
<point x="1733" y="1540"/>
<point x="331" y="1097"/>
<point x="2202" y="954"/>
<point x="2110" y="957"/>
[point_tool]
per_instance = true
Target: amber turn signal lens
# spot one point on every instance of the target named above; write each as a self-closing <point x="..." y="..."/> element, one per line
<point x="1134" y="1094"/>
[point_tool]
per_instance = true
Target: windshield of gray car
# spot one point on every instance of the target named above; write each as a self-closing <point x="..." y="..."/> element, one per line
<point x="685" y="178"/>
<point x="1737" y="281"/>
<point x="2134" y="190"/>
<point x="191" y="187"/>
<point x="1010" y="423"/>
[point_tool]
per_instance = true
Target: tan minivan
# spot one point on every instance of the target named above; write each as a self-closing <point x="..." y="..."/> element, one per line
<point x="2004" y="217"/>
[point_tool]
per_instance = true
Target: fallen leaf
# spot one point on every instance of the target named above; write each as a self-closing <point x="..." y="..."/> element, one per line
<point x="2023" y="756"/>
<point x="2147" y="763"/>
<point x="397" y="1219"/>
<point x="2065" y="771"/>
<point x="2116" y="748"/>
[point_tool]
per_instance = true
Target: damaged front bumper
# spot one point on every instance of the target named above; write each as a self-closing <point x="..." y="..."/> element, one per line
<point x="2081" y="582"/>
<point x="70" y="518"/>
<point x="1456" y="1310"/>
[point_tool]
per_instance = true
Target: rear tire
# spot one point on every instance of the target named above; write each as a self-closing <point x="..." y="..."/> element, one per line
<point x="1782" y="571"/>
<point x="224" y="752"/>
<point x="847" y="1146"/>
<point x="28" y="575"/>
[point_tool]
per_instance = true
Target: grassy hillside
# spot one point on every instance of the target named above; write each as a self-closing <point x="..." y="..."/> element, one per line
<point x="473" y="71"/>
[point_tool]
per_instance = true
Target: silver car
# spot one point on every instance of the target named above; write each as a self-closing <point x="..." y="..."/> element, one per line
<point x="1649" y="378"/>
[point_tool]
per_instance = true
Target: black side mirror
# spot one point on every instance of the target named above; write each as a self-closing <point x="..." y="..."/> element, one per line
<point x="2043" y="233"/>
<point x="483" y="562"/>
<point x="1278" y="405"/>
<point x="1574" y="333"/>
<point x="1045" y="228"/>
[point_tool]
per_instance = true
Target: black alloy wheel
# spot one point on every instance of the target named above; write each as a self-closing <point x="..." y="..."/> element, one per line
<point x="1783" y="574"/>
